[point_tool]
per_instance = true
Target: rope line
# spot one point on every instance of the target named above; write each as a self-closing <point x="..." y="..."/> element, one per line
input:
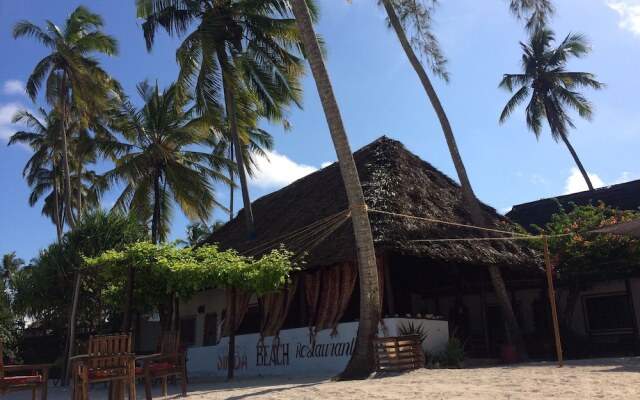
<point x="449" y="223"/>
<point x="530" y="237"/>
<point x="300" y="232"/>
<point x="308" y="237"/>
<point x="322" y="237"/>
<point x="359" y="207"/>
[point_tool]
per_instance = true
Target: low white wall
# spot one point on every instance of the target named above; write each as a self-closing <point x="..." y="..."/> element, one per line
<point x="295" y="353"/>
<point x="437" y="331"/>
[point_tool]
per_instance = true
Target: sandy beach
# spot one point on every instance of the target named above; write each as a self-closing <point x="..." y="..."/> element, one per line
<point x="611" y="378"/>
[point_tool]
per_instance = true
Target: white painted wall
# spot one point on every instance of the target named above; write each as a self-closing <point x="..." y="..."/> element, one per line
<point x="213" y="300"/>
<point x="295" y="353"/>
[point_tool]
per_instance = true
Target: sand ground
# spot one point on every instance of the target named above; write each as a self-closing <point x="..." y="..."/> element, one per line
<point x="611" y="378"/>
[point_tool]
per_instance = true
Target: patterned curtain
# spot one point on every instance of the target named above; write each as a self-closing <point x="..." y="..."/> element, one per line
<point x="275" y="308"/>
<point x="348" y="279"/>
<point x="328" y="307"/>
<point x="312" y="283"/>
<point x="242" y="305"/>
<point x="333" y="291"/>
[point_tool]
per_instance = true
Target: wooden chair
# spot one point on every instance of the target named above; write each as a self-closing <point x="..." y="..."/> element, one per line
<point x="37" y="378"/>
<point x="171" y="361"/>
<point x="109" y="359"/>
<point x="398" y="353"/>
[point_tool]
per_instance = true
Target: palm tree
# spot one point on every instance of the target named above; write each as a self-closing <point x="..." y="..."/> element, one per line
<point x="240" y="58"/>
<point x="415" y="15"/>
<point x="156" y="163"/>
<point x="552" y="88"/>
<point x="361" y="363"/>
<point x="159" y="170"/>
<point x="535" y="12"/>
<point x="258" y="142"/>
<point x="72" y="77"/>
<point x="10" y="266"/>
<point x="43" y="168"/>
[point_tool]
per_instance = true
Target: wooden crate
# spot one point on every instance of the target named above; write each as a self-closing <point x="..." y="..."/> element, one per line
<point x="398" y="353"/>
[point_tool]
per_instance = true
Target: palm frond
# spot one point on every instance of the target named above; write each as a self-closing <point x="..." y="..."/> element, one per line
<point x="513" y="102"/>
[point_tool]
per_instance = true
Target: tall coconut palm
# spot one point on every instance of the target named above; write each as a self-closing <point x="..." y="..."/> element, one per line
<point x="536" y="13"/>
<point x="10" y="266"/>
<point x="551" y="88"/>
<point x="42" y="170"/>
<point x="72" y="77"/>
<point x="157" y="163"/>
<point x="407" y="14"/>
<point x="240" y="55"/>
<point x="258" y="142"/>
<point x="159" y="168"/>
<point x="240" y="58"/>
<point x="361" y="363"/>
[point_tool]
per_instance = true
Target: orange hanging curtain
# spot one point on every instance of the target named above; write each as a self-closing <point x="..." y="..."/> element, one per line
<point x="275" y="308"/>
<point x="312" y="282"/>
<point x="242" y="305"/>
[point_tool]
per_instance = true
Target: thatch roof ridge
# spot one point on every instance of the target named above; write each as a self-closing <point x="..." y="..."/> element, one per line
<point x="624" y="196"/>
<point x="394" y="180"/>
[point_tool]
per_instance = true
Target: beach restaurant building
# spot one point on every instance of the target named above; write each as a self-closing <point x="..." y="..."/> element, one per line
<point x="425" y="279"/>
<point x="605" y="319"/>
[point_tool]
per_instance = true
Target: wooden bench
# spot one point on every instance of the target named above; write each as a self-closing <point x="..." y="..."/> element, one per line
<point x="35" y="377"/>
<point x="171" y="361"/>
<point x="109" y="359"/>
<point x="398" y="353"/>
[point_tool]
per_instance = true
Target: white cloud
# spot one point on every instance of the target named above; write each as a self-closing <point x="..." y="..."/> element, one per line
<point x="7" y="111"/>
<point x="626" y="177"/>
<point x="278" y="171"/>
<point x="576" y="183"/>
<point x="13" y="87"/>
<point x="326" y="164"/>
<point x="538" y="179"/>
<point x="629" y="11"/>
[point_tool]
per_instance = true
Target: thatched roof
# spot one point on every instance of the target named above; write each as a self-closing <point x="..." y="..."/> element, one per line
<point x="393" y="180"/>
<point x="623" y="196"/>
<point x="629" y="228"/>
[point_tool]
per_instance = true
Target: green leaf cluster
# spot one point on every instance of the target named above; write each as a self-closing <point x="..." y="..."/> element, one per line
<point x="167" y="270"/>
<point x="582" y="259"/>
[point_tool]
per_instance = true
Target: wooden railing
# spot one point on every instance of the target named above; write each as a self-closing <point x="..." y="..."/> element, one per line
<point x="398" y="353"/>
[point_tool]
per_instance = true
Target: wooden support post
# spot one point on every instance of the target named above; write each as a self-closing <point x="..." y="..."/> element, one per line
<point x="634" y="320"/>
<point x="552" y="299"/>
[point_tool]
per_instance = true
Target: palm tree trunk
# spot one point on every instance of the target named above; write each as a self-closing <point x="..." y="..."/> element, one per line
<point x="176" y="310"/>
<point x="583" y="171"/>
<point x="233" y="127"/>
<point x="361" y="363"/>
<point x="155" y="220"/>
<point x="71" y="338"/>
<point x="467" y="192"/>
<point x="248" y="213"/>
<point x="231" y="355"/>
<point x="231" y="184"/>
<point x="79" y="192"/>
<point x="128" y="300"/>
<point x="65" y="163"/>
<point x="56" y="202"/>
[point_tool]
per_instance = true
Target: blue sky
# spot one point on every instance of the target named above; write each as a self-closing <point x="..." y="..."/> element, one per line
<point x="379" y="94"/>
